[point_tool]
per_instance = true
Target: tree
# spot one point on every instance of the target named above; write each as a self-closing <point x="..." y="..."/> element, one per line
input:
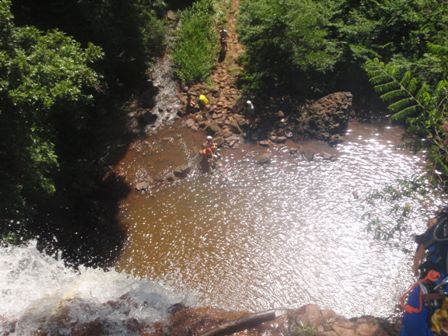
<point x="41" y="75"/>
<point x="284" y="38"/>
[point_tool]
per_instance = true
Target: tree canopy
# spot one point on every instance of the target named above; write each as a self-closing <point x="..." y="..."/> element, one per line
<point x="40" y="75"/>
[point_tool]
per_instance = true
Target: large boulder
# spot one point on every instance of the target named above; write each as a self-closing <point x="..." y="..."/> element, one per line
<point x="326" y="116"/>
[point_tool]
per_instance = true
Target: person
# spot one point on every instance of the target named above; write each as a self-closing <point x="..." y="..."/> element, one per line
<point x="250" y="107"/>
<point x="427" y="295"/>
<point x="209" y="148"/>
<point x="223" y="34"/>
<point x="203" y="101"/>
<point x="209" y="154"/>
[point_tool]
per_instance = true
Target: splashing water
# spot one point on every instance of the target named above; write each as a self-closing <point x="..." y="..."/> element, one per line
<point x="39" y="293"/>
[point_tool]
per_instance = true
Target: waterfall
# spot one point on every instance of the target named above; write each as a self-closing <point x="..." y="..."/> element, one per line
<point x="38" y="292"/>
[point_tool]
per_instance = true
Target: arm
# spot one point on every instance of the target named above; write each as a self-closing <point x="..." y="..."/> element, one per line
<point x="418" y="258"/>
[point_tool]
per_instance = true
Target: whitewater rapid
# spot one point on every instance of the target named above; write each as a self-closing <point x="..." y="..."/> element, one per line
<point x="39" y="293"/>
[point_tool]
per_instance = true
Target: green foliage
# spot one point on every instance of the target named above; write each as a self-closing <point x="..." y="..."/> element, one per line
<point x="196" y="47"/>
<point x="41" y="74"/>
<point x="407" y="97"/>
<point x="393" y="209"/>
<point x="131" y="33"/>
<point x="304" y="330"/>
<point x="283" y="38"/>
<point x="421" y="106"/>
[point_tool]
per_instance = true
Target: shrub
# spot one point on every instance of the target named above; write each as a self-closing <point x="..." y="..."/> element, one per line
<point x="196" y="47"/>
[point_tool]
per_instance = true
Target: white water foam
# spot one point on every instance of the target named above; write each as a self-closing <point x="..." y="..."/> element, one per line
<point x="38" y="292"/>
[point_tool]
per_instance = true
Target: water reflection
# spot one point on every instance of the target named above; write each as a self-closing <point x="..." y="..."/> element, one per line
<point x="293" y="232"/>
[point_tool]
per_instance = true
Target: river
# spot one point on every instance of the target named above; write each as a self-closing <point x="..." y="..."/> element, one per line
<point x="255" y="237"/>
<point x="248" y="236"/>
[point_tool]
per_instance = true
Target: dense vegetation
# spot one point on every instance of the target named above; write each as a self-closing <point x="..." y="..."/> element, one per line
<point x="307" y="48"/>
<point x="66" y="71"/>
<point x="196" y="47"/>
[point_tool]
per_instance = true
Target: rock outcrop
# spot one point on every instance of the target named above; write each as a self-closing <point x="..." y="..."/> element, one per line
<point x="327" y="117"/>
<point x="309" y="320"/>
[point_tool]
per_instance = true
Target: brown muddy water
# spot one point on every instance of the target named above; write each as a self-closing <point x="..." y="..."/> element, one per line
<point x="295" y="231"/>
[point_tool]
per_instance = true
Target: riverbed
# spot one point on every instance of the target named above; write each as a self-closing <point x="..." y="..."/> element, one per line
<point x="326" y="225"/>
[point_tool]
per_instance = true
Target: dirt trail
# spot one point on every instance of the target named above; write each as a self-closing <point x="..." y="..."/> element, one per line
<point x="226" y="71"/>
<point x="221" y="118"/>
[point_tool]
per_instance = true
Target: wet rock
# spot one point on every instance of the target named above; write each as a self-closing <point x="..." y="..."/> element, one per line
<point x="328" y="156"/>
<point x="240" y="120"/>
<point x="226" y="133"/>
<point x="149" y="118"/>
<point x="142" y="186"/>
<point x="280" y="114"/>
<point x="278" y="139"/>
<point x="96" y="327"/>
<point x="264" y="158"/>
<point x="173" y="309"/>
<point x="219" y="141"/>
<point x="313" y="315"/>
<point x="169" y="177"/>
<point x="293" y="151"/>
<point x="264" y="143"/>
<point x="367" y="328"/>
<point x="289" y="134"/>
<point x="326" y="116"/>
<point x="212" y="127"/>
<point x="182" y="171"/>
<point x="190" y="123"/>
<point x="335" y="139"/>
<point x="234" y="126"/>
<point x="309" y="156"/>
<point x="233" y="141"/>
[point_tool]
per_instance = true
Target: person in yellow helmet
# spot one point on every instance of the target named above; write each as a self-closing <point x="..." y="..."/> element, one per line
<point x="203" y="101"/>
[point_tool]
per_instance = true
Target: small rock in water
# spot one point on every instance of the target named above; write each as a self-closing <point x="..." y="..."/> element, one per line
<point x="293" y="151"/>
<point x="190" y="123"/>
<point x="182" y="171"/>
<point x="142" y="186"/>
<point x="264" y="158"/>
<point x="288" y="134"/>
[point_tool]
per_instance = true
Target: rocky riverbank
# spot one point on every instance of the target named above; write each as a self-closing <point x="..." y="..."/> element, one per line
<point x="309" y="320"/>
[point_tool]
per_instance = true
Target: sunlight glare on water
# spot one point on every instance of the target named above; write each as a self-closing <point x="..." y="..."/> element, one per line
<point x="256" y="237"/>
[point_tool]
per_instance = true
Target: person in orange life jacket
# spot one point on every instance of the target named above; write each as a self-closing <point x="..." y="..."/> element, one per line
<point x="209" y="148"/>
<point x="430" y="258"/>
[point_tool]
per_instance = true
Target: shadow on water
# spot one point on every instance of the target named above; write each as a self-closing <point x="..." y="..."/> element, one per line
<point x="80" y="219"/>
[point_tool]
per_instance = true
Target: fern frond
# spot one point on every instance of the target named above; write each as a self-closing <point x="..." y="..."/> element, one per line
<point x="406" y="79"/>
<point x="437" y="49"/>
<point x="405" y="113"/>
<point x="424" y="96"/>
<point x="385" y="87"/>
<point x="400" y="89"/>
<point x="402" y="104"/>
<point x="391" y="95"/>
